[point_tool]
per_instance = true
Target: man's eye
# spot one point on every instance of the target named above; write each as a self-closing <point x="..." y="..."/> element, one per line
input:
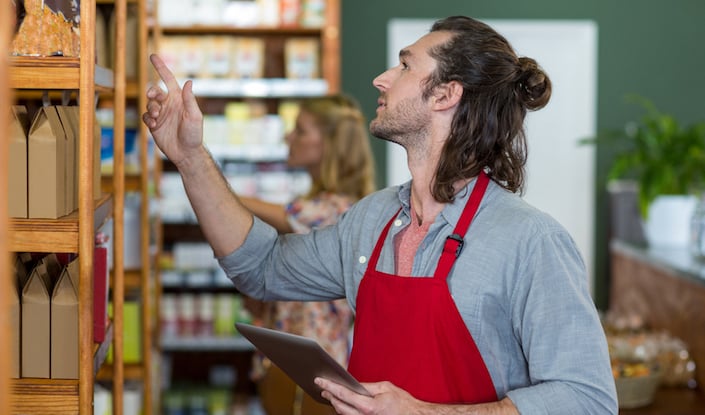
<point x="404" y="66"/>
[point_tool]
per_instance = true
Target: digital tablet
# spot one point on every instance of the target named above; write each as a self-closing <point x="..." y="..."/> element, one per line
<point x="301" y="358"/>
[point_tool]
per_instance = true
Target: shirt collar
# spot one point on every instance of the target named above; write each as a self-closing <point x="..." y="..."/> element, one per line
<point x="450" y="213"/>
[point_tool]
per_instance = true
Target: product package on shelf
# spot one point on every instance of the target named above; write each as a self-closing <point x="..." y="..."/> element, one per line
<point x="69" y="120"/>
<point x="64" y="324"/>
<point x="17" y="162"/>
<point x="47" y="28"/>
<point x="52" y="170"/>
<point x="105" y="121"/>
<point x="302" y="58"/>
<point x="36" y="324"/>
<point x="132" y="337"/>
<point x="48" y="304"/>
<point x="248" y="58"/>
<point x="20" y="275"/>
<point x="217" y="63"/>
<point x="47" y="165"/>
<point x="202" y="315"/>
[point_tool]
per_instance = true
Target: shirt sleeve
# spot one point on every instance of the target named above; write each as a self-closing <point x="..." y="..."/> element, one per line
<point x="552" y="311"/>
<point x="292" y="267"/>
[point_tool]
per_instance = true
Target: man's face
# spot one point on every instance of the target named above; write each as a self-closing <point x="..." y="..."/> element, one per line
<point x="403" y="116"/>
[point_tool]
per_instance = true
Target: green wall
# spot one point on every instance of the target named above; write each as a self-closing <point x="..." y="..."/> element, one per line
<point x="652" y="48"/>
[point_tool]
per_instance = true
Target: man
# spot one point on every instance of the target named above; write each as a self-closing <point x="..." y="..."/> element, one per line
<point x="467" y="300"/>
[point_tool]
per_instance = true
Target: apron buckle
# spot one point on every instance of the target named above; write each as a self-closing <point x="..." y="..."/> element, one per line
<point x="459" y="240"/>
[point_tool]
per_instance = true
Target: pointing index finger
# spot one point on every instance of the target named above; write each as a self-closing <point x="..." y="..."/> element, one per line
<point x="164" y="72"/>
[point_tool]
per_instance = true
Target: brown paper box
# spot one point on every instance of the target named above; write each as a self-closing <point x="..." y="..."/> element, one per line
<point x="36" y="317"/>
<point x="69" y="120"/>
<point x="64" y="324"/>
<point x="47" y="165"/>
<point x="17" y="163"/>
<point x="53" y="270"/>
<point x="20" y="274"/>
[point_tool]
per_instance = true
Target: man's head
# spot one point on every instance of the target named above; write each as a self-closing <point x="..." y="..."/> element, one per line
<point x="497" y="88"/>
<point x="404" y="112"/>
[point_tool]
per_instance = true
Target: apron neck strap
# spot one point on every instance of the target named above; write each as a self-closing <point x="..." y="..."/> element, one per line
<point x="454" y="242"/>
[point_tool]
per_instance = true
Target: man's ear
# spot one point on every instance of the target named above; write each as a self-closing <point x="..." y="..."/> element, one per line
<point x="447" y="95"/>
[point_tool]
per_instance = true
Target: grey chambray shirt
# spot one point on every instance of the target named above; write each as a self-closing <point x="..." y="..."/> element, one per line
<point x="520" y="285"/>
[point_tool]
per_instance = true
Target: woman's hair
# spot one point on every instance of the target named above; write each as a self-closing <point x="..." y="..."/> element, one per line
<point x="347" y="166"/>
<point x="499" y="87"/>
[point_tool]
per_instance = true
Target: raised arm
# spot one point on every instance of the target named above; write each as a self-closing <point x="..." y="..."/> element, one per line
<point x="176" y="123"/>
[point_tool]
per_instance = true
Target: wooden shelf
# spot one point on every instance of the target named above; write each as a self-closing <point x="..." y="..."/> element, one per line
<point x="130" y="371"/>
<point x="132" y="280"/>
<point x="113" y="1"/>
<point x="44" y="396"/>
<point x="53" y="396"/>
<point x="133" y="183"/>
<point x="132" y="91"/>
<point x="244" y="31"/>
<point x="54" y="235"/>
<point x="54" y="72"/>
<point x="194" y="344"/>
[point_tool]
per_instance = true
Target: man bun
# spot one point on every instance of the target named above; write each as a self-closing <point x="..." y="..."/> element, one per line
<point x="533" y="87"/>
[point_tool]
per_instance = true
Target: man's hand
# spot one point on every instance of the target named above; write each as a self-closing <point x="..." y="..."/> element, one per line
<point x="173" y="116"/>
<point x="386" y="399"/>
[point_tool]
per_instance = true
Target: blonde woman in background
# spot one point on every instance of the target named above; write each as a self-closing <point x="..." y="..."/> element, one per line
<point x="330" y="142"/>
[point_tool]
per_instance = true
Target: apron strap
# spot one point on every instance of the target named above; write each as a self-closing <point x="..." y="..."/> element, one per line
<point x="380" y="242"/>
<point x="454" y="243"/>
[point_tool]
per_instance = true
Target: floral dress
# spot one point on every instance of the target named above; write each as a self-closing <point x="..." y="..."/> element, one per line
<point x="328" y="322"/>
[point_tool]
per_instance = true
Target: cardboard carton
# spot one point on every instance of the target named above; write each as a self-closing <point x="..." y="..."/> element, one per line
<point x="53" y="270"/>
<point x="36" y="317"/>
<point x="21" y="261"/>
<point x="64" y="324"/>
<point x="47" y="165"/>
<point x="69" y="120"/>
<point x="17" y="162"/>
<point x="20" y="274"/>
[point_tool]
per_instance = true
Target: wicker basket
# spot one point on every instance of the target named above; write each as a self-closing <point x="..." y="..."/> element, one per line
<point x="636" y="392"/>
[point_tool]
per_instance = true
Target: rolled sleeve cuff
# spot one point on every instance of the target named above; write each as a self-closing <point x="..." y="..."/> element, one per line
<point x="250" y="254"/>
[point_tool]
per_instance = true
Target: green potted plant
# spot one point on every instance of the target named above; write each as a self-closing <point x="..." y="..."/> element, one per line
<point x="667" y="162"/>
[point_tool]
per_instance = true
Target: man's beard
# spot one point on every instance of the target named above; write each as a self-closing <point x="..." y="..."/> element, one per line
<point x="405" y="125"/>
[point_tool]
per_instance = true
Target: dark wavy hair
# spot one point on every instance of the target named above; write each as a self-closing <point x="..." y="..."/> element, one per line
<point x="499" y="87"/>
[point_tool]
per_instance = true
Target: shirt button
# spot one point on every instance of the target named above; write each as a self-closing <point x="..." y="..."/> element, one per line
<point x="362" y="259"/>
<point x="397" y="222"/>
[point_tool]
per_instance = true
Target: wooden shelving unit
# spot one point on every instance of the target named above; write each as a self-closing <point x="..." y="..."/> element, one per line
<point x="75" y="232"/>
<point x="212" y="94"/>
<point x="5" y="283"/>
<point x="139" y="282"/>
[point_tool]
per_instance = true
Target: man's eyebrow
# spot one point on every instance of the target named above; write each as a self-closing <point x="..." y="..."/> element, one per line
<point x="404" y="53"/>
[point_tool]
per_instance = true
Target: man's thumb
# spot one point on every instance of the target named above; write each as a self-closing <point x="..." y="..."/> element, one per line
<point x="189" y="99"/>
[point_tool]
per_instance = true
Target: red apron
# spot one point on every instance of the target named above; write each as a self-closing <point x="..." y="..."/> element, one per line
<point x="408" y="330"/>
